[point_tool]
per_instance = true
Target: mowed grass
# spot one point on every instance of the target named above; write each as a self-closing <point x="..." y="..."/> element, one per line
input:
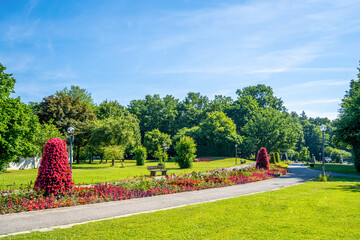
<point x="336" y="167"/>
<point x="314" y="210"/>
<point x="95" y="172"/>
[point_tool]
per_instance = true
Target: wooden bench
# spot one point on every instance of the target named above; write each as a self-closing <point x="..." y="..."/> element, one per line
<point x="202" y="160"/>
<point x="154" y="169"/>
<point x="243" y="161"/>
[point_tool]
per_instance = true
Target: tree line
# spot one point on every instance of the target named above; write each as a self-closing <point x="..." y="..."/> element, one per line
<point x="255" y="119"/>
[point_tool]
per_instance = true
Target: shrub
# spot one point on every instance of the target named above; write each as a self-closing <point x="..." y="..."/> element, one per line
<point x="185" y="150"/>
<point x="272" y="158"/>
<point x="140" y="155"/>
<point x="277" y="157"/>
<point x="54" y="176"/>
<point x="262" y="161"/>
<point x="161" y="155"/>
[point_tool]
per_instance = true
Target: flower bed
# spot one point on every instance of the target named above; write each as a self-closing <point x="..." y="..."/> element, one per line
<point x="27" y="200"/>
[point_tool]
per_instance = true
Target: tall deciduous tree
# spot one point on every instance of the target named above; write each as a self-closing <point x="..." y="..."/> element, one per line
<point x="271" y="129"/>
<point x="122" y="132"/>
<point x="264" y="95"/>
<point x="153" y="139"/>
<point x="18" y="124"/>
<point x="347" y="127"/>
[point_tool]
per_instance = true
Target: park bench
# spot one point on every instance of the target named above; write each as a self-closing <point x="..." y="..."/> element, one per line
<point x="243" y="161"/>
<point x="154" y="169"/>
<point x="202" y="160"/>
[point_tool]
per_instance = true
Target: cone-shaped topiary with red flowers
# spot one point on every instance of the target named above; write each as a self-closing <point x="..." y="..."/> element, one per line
<point x="54" y="176"/>
<point x="262" y="161"/>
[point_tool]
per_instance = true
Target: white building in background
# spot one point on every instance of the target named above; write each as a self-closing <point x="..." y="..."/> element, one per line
<point x="25" y="163"/>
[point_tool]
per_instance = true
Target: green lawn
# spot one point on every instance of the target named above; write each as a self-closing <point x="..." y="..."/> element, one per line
<point x="336" y="167"/>
<point x="94" y="173"/>
<point x="314" y="210"/>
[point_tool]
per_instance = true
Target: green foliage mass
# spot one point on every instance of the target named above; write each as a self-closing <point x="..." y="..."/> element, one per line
<point x="347" y="127"/>
<point x="114" y="152"/>
<point x="18" y="125"/>
<point x="185" y="149"/>
<point x="140" y="155"/>
<point x="123" y="131"/>
<point x="153" y="139"/>
<point x="109" y="109"/>
<point x="271" y="129"/>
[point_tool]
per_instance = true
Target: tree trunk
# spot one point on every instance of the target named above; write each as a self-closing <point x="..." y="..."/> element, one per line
<point x="113" y="162"/>
<point x="78" y="155"/>
<point x="356" y="155"/>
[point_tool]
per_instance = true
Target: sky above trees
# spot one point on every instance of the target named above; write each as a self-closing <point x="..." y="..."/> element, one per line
<point x="307" y="51"/>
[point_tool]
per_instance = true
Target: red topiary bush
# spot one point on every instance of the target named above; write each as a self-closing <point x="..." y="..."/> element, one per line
<point x="262" y="161"/>
<point x="54" y="176"/>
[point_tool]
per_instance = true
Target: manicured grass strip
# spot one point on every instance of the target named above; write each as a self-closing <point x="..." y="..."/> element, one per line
<point x="336" y="167"/>
<point x="95" y="173"/>
<point x="314" y="210"/>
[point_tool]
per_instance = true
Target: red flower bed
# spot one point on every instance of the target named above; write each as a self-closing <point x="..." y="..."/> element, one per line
<point x="28" y="200"/>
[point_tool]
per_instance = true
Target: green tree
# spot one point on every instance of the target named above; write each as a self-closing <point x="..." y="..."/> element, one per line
<point x="109" y="109"/>
<point x="242" y="110"/>
<point x="185" y="149"/>
<point x="161" y="154"/>
<point x="304" y="154"/>
<point x="271" y="129"/>
<point x="80" y="94"/>
<point x="264" y="95"/>
<point x="113" y="153"/>
<point x="155" y="113"/>
<point x="347" y="127"/>
<point x="18" y="125"/>
<point x="155" y="138"/>
<point x="192" y="110"/>
<point x="44" y="132"/>
<point x="217" y="135"/>
<point x="122" y="133"/>
<point x="140" y="155"/>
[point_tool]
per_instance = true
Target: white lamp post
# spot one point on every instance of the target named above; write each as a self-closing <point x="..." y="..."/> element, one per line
<point x="323" y="129"/>
<point x="236" y="154"/>
<point x="71" y="131"/>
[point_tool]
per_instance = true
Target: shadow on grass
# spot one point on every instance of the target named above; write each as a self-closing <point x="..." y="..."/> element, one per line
<point x="351" y="188"/>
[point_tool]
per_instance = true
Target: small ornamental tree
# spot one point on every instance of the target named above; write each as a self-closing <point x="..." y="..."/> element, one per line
<point x="54" y="176"/>
<point x="262" y="161"/>
<point x="185" y="150"/>
<point x="140" y="155"/>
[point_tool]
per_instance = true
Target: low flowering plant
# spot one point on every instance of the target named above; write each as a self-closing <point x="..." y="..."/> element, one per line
<point x="26" y="199"/>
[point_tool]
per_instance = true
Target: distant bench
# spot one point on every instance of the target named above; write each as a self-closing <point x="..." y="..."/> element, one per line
<point x="154" y="169"/>
<point x="202" y="160"/>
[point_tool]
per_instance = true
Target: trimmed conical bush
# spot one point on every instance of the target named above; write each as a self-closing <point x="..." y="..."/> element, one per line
<point x="54" y="176"/>
<point x="272" y="158"/>
<point x="262" y="161"/>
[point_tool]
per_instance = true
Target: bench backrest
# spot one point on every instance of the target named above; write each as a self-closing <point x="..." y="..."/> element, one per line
<point x="155" y="167"/>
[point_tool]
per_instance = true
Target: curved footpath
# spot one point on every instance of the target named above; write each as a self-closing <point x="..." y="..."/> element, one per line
<point x="45" y="220"/>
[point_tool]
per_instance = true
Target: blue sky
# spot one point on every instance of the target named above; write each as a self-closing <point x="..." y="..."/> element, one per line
<point x="307" y="51"/>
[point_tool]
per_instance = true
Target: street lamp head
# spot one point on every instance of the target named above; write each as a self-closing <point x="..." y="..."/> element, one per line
<point x="323" y="128"/>
<point x="71" y="130"/>
<point x="164" y="144"/>
<point x="236" y="145"/>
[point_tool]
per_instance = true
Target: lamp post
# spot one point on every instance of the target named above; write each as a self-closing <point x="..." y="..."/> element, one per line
<point x="164" y="145"/>
<point x="236" y="154"/>
<point x="342" y="154"/>
<point x="71" y="131"/>
<point x="323" y="129"/>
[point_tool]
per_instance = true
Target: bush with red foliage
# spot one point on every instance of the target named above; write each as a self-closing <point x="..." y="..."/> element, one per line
<point x="262" y="161"/>
<point x="54" y="176"/>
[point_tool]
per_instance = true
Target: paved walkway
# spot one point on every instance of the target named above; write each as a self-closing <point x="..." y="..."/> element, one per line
<point x="51" y="218"/>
